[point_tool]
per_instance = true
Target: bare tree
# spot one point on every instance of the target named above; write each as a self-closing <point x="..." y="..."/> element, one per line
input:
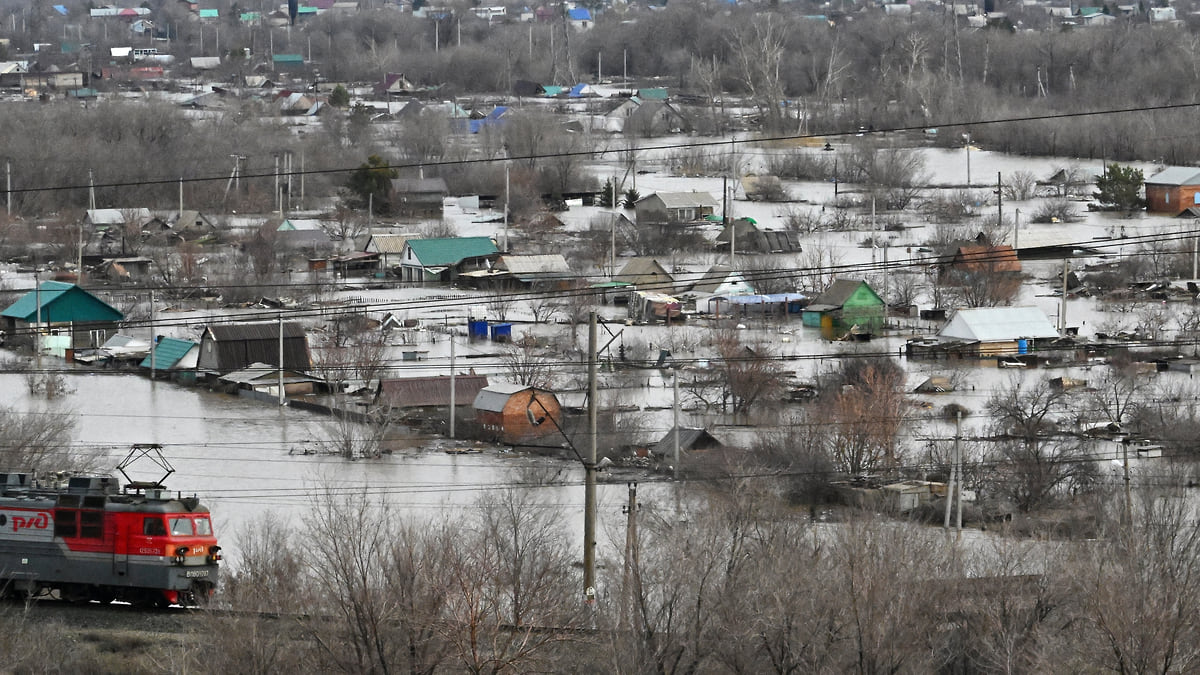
<point x="757" y="49"/>
<point x="865" y="416"/>
<point x="40" y="442"/>
<point x="1020" y="185"/>
<point x="525" y="363"/>
<point x="1035" y="462"/>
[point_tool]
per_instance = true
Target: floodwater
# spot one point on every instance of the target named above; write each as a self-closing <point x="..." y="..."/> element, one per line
<point x="245" y="458"/>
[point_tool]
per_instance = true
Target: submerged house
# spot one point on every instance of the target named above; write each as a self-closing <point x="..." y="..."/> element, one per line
<point x="175" y="356"/>
<point x="994" y="331"/>
<point x="228" y="347"/>
<point x="431" y="261"/>
<point x="674" y="208"/>
<point x="1173" y="190"/>
<point x="67" y="316"/>
<point x="517" y="413"/>
<point x="428" y="394"/>
<point x="848" y="305"/>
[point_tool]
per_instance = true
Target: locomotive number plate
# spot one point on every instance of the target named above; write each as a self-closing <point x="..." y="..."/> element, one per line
<point x="192" y="574"/>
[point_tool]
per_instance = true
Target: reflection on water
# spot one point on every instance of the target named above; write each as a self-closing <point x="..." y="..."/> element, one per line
<point x="245" y="458"/>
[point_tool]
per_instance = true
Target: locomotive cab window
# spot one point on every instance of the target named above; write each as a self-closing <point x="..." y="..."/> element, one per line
<point x="203" y="527"/>
<point x="154" y="527"/>
<point x="181" y="527"/>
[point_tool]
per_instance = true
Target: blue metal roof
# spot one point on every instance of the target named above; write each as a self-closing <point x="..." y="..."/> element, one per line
<point x="61" y="302"/>
<point x="167" y="352"/>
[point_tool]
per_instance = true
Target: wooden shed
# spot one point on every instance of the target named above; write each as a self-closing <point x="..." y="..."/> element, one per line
<point x="225" y="348"/>
<point x="517" y="413"/>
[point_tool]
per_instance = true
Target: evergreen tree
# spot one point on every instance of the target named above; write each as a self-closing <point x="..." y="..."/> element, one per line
<point x="1120" y="188"/>
<point x="339" y="97"/>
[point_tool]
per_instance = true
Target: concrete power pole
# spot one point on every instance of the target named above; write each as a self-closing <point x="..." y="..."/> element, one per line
<point x="589" y="467"/>
<point x="630" y="558"/>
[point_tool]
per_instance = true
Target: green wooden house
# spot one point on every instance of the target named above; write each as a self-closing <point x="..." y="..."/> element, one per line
<point x="432" y="261"/>
<point x="65" y="310"/>
<point x="848" y="305"/>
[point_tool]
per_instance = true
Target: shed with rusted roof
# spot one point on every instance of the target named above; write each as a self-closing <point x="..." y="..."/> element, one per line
<point x="428" y="392"/>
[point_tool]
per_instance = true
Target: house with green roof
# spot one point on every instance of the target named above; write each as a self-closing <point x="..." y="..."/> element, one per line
<point x="440" y="261"/>
<point x="174" y="356"/>
<point x="58" y="308"/>
<point x="846" y="306"/>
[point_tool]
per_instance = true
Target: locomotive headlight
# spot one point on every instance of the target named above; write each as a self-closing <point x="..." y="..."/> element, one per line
<point x="214" y="554"/>
<point x="181" y="554"/>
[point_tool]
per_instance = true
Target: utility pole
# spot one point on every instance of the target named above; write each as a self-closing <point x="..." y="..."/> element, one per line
<point x="91" y="191"/>
<point x="1017" y="231"/>
<point x="181" y="196"/>
<point x="589" y="467"/>
<point x="37" y="335"/>
<point x="613" y="233"/>
<point x="999" y="201"/>
<point x="630" y="558"/>
<point x="453" y="391"/>
<point x="675" y="423"/>
<point x="153" y="343"/>
<point x="8" y="187"/>
<point x="506" y="207"/>
<point x="1062" y="313"/>
<point x="1128" y="498"/>
<point x="282" y="396"/>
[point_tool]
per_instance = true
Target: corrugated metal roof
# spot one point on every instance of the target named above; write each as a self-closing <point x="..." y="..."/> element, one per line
<point x="493" y="397"/>
<point x="255" y="331"/>
<point x="553" y="263"/>
<point x="998" y="324"/>
<point x="683" y="200"/>
<point x="388" y="243"/>
<point x="265" y="373"/>
<point x="1176" y="175"/>
<point x="420" y="392"/>
<point x="168" y="352"/>
<point x="62" y="302"/>
<point x="451" y="251"/>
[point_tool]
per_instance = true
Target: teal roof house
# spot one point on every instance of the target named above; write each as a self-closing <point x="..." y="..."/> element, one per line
<point x="65" y="310"/>
<point x="440" y="261"/>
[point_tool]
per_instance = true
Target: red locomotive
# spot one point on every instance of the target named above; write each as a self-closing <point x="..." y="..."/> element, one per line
<point x="85" y="539"/>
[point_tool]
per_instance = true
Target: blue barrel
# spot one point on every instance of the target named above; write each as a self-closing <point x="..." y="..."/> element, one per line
<point x="1022" y="346"/>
